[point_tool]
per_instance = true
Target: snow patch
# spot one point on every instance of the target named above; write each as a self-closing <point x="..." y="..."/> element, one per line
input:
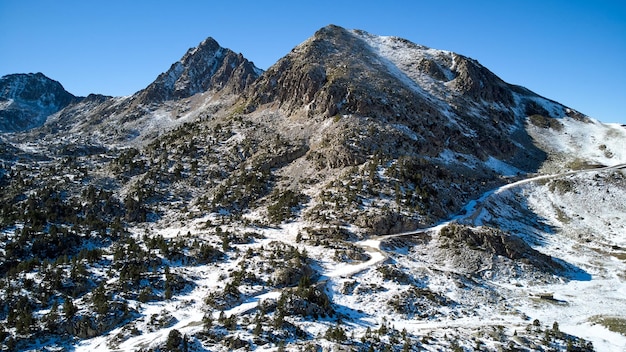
<point x="501" y="167"/>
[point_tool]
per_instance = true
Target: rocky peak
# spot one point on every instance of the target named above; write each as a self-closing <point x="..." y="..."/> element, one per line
<point x="26" y="100"/>
<point x="441" y="101"/>
<point x="34" y="87"/>
<point x="207" y="67"/>
<point x="340" y="71"/>
<point x="334" y="72"/>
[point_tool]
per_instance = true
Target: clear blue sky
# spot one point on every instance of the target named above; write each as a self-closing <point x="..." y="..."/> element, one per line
<point x="572" y="51"/>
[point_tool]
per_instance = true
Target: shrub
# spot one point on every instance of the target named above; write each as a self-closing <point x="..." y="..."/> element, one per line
<point x="174" y="341"/>
<point x="284" y="206"/>
<point x="545" y="122"/>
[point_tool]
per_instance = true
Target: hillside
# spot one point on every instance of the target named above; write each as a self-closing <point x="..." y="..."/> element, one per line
<point x="363" y="193"/>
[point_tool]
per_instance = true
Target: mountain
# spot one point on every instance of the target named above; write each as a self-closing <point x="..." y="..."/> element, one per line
<point x="204" y="78"/>
<point x="363" y="193"/>
<point x="208" y="67"/>
<point x="26" y="100"/>
<point x="450" y="102"/>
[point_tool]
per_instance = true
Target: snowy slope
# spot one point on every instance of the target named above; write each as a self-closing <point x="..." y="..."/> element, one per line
<point x="587" y="141"/>
<point x="419" y="66"/>
<point x="578" y="219"/>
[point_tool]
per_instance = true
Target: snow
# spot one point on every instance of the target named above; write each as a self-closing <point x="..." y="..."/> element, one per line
<point x="4" y="104"/>
<point x="399" y="58"/>
<point x="372" y="248"/>
<point x="600" y="288"/>
<point x="501" y="167"/>
<point x="587" y="140"/>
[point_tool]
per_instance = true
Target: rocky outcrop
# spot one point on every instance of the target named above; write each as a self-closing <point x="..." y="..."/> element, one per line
<point x="476" y="81"/>
<point x="481" y="247"/>
<point x="386" y="223"/>
<point x="335" y="73"/>
<point x="88" y="326"/>
<point x="26" y="100"/>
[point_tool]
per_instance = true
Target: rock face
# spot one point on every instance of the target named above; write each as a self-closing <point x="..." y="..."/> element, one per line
<point x="335" y="72"/>
<point x="208" y="67"/>
<point x="26" y="100"/>
<point x="477" y="82"/>
<point x="480" y="246"/>
<point x="449" y="101"/>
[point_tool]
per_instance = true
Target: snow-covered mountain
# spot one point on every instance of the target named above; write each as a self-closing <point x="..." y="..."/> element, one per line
<point x="26" y="100"/>
<point x="364" y="193"/>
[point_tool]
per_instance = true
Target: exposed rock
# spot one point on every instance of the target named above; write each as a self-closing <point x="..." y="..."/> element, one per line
<point x="309" y="301"/>
<point x="476" y="81"/>
<point x="386" y="223"/>
<point x="208" y="67"/>
<point x="281" y="156"/>
<point x="291" y="273"/>
<point x="432" y="68"/>
<point x="85" y="326"/>
<point x="26" y="100"/>
<point x="480" y="245"/>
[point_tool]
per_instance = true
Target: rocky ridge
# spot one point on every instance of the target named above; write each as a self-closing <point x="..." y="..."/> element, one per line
<point x="205" y="68"/>
<point x="26" y="100"/>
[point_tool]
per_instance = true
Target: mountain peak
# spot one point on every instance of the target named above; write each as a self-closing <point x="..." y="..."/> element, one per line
<point x="29" y="86"/>
<point x="27" y="99"/>
<point x="207" y="67"/>
<point x="330" y="30"/>
<point x="447" y="98"/>
<point x="209" y="46"/>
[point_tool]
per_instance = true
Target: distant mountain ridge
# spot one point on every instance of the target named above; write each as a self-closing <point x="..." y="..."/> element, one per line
<point x="312" y="75"/>
<point x="26" y="100"/>
<point x="207" y="68"/>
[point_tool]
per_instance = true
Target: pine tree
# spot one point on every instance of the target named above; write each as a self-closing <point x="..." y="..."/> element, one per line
<point x="100" y="300"/>
<point x="258" y="328"/>
<point x="51" y="319"/>
<point x="174" y="340"/>
<point x="207" y="321"/>
<point x="25" y="321"/>
<point x="69" y="309"/>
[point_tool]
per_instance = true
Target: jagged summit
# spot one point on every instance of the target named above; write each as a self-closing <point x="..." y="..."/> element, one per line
<point x="330" y="73"/>
<point x="27" y="99"/>
<point x="207" y="67"/>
